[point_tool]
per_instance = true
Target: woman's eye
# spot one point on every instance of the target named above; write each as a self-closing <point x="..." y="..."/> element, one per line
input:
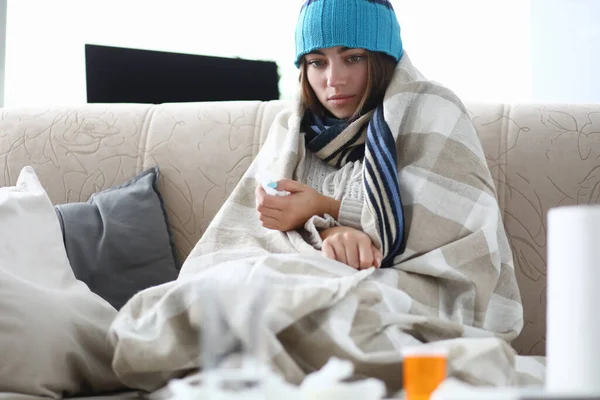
<point x="316" y="63"/>
<point x="355" y="59"/>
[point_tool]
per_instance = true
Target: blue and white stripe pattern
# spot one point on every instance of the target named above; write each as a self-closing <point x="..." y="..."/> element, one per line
<point x="377" y="145"/>
<point x="382" y="186"/>
<point x="322" y="130"/>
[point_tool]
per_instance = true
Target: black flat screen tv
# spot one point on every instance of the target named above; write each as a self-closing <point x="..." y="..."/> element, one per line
<point x="124" y="75"/>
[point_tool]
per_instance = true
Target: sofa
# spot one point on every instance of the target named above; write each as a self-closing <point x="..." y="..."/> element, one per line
<point x="540" y="155"/>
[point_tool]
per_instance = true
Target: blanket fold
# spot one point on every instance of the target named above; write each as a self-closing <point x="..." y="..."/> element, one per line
<point x="453" y="284"/>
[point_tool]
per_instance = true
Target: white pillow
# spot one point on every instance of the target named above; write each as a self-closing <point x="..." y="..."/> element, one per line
<point x="52" y="327"/>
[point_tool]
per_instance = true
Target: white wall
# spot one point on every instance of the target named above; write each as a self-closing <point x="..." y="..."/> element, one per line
<point x="2" y="47"/>
<point x="478" y="48"/>
<point x="45" y="61"/>
<point x="566" y="51"/>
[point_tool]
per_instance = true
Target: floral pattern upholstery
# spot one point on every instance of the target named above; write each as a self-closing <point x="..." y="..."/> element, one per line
<point x="540" y="155"/>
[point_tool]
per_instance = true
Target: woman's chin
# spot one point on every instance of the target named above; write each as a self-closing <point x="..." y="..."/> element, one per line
<point x="341" y="113"/>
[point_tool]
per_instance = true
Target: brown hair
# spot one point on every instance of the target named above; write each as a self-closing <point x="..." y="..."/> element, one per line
<point x="380" y="69"/>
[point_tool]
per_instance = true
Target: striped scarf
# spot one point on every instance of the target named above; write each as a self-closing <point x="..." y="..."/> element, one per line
<point x="338" y="142"/>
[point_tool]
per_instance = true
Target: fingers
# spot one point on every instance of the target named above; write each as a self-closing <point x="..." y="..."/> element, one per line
<point x="260" y="195"/>
<point x="265" y="203"/>
<point x="269" y="222"/>
<point x="351" y="247"/>
<point x="290" y="185"/>
<point x="377" y="255"/>
<point x="339" y="250"/>
<point x="259" y="190"/>
<point x="328" y="250"/>
<point x="343" y="248"/>
<point x="267" y="214"/>
<point x="365" y="251"/>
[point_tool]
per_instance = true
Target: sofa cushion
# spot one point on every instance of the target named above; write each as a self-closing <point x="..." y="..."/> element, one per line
<point x="119" y="242"/>
<point x="52" y="327"/>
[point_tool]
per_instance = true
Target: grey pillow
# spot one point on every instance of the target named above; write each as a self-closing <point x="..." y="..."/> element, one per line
<point x="119" y="242"/>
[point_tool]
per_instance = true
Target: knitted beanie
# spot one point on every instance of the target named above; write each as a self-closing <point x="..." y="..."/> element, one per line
<point x="366" y="24"/>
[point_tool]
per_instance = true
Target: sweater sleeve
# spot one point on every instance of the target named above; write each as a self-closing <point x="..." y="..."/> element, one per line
<point x="315" y="224"/>
<point x="350" y="212"/>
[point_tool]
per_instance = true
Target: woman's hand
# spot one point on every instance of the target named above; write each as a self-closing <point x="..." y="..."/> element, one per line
<point x="350" y="246"/>
<point x="285" y="213"/>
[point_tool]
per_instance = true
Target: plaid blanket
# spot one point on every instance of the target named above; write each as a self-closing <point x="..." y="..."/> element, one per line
<point x="454" y="284"/>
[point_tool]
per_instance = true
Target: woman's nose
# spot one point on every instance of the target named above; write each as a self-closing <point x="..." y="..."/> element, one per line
<point x="336" y="75"/>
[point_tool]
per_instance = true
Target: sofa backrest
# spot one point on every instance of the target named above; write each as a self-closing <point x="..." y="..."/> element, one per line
<point x="541" y="156"/>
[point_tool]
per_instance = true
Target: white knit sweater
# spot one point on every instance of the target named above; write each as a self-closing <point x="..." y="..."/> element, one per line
<point x="343" y="184"/>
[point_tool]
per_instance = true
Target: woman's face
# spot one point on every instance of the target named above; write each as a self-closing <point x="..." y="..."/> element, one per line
<point x="338" y="76"/>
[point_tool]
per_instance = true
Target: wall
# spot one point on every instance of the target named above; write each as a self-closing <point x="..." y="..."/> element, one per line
<point x="566" y="50"/>
<point x="478" y="48"/>
<point x="2" y="47"/>
<point x="482" y="49"/>
<point x="45" y="49"/>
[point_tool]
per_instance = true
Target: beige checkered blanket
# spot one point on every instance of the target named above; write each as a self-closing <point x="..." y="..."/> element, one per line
<point x="455" y="283"/>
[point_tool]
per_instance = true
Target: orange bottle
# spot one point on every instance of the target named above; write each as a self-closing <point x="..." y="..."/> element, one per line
<point x="424" y="368"/>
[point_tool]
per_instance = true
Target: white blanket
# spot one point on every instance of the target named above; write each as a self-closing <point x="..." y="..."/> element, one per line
<point x="454" y="284"/>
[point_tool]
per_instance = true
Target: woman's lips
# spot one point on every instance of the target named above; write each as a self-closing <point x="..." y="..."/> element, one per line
<point x="340" y="100"/>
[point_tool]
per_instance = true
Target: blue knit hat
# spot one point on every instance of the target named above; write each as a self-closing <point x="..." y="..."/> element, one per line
<point x="366" y="24"/>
